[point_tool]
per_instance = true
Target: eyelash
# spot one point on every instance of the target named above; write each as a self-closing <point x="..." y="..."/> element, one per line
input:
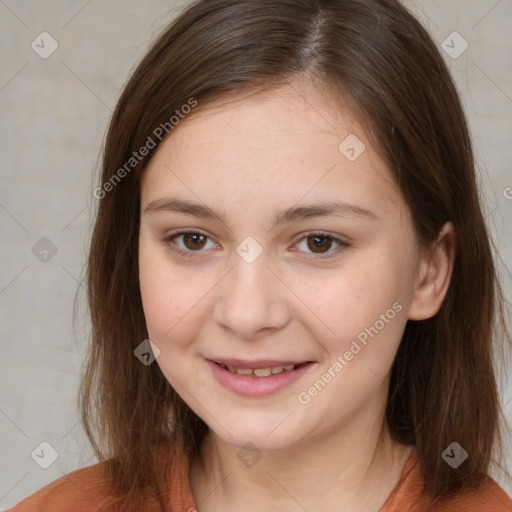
<point x="190" y="254"/>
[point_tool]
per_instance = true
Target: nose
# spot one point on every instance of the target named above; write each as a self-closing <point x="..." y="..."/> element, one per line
<point x="251" y="300"/>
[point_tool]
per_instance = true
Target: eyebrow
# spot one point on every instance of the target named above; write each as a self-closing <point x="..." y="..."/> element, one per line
<point x="334" y="208"/>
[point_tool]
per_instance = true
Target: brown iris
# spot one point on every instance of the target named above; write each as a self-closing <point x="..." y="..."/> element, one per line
<point x="319" y="242"/>
<point x="196" y="240"/>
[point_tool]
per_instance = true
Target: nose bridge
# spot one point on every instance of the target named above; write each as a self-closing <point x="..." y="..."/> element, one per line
<point x="251" y="298"/>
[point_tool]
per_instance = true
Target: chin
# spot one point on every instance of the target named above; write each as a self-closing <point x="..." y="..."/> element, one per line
<point x="264" y="435"/>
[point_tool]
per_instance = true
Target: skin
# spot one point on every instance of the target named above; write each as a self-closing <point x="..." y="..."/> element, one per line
<point x="246" y="159"/>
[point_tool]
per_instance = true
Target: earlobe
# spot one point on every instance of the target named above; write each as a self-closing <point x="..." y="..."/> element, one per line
<point x="434" y="276"/>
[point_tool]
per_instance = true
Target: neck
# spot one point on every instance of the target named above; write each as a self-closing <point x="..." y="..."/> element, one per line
<point x="355" y="467"/>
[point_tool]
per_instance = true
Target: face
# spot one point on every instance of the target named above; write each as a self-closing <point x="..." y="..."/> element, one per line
<point x="277" y="266"/>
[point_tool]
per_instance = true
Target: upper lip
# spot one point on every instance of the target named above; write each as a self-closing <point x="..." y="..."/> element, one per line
<point x="257" y="363"/>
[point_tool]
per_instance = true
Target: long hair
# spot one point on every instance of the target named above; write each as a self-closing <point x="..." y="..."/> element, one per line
<point x="443" y="382"/>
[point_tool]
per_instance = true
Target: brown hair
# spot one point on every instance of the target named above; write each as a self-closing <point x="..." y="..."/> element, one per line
<point x="443" y="385"/>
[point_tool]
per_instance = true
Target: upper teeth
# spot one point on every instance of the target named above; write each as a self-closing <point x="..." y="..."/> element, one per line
<point x="261" y="372"/>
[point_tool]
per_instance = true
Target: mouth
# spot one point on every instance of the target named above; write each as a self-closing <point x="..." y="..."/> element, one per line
<point x="260" y="370"/>
<point x="258" y="378"/>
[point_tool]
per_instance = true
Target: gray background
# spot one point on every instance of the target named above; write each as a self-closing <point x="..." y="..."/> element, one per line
<point x="54" y="116"/>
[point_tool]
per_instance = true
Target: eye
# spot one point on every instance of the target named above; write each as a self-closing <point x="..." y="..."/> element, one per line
<point x="192" y="241"/>
<point x="321" y="243"/>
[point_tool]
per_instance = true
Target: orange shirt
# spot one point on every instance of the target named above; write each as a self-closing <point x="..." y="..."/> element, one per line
<point x="86" y="490"/>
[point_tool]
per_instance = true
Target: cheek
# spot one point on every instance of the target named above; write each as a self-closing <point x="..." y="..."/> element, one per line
<point x="174" y="300"/>
<point x="363" y="304"/>
<point x="166" y="297"/>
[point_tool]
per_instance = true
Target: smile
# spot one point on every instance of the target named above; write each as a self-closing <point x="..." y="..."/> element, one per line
<point x="257" y="378"/>
<point x="261" y="372"/>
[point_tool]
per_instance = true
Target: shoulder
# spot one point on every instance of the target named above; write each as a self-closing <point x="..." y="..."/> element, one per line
<point x="489" y="498"/>
<point x="408" y="495"/>
<point x="82" y="490"/>
<point x="88" y="489"/>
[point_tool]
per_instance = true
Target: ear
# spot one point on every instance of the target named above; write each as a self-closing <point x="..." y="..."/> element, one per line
<point x="434" y="275"/>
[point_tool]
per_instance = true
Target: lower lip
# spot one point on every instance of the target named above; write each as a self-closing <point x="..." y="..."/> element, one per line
<point x="250" y="385"/>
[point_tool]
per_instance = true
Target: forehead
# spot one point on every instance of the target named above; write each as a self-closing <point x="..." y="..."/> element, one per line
<point x="281" y="145"/>
<point x="268" y="117"/>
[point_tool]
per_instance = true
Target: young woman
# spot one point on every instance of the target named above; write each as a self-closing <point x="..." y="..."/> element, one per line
<point x="292" y="290"/>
